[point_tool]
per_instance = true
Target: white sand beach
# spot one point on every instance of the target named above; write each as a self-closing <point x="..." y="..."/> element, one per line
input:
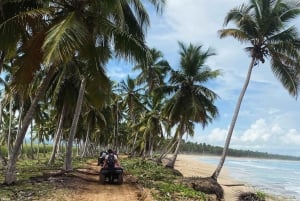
<point x="189" y="167"/>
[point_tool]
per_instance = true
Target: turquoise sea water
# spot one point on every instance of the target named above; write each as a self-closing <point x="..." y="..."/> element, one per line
<point x="278" y="177"/>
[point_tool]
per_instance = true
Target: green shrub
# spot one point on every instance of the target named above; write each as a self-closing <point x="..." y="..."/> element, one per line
<point x="164" y="180"/>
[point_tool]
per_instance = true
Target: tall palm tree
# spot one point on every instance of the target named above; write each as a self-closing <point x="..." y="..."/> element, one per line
<point x="152" y="76"/>
<point x="190" y="102"/>
<point x="263" y="24"/>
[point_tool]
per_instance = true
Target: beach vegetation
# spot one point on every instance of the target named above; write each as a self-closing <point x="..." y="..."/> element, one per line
<point x="259" y="196"/>
<point x="171" y="191"/>
<point x="265" y="27"/>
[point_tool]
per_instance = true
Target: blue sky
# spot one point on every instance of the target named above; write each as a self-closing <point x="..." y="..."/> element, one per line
<point x="269" y="116"/>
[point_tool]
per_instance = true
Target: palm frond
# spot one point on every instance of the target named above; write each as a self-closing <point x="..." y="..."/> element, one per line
<point x="30" y="61"/>
<point x="64" y="38"/>
<point x="236" y="14"/>
<point x="290" y="11"/>
<point x="287" y="75"/>
<point x="13" y="28"/>
<point x="235" y="33"/>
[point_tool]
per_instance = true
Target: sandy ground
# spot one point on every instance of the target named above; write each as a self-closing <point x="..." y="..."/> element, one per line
<point x="85" y="186"/>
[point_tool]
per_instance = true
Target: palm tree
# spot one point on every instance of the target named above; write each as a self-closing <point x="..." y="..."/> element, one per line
<point x="152" y="76"/>
<point x="132" y="102"/>
<point x="150" y="124"/>
<point x="191" y="102"/>
<point x="72" y="29"/>
<point x="264" y="25"/>
<point x="154" y="71"/>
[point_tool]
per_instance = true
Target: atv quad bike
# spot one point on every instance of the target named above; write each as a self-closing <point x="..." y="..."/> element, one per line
<point x="111" y="175"/>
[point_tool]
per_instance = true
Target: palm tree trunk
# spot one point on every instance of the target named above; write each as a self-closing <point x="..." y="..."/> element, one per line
<point x="151" y="147"/>
<point x="20" y="117"/>
<point x="2" y="54"/>
<point x="216" y="173"/>
<point x="57" y="135"/>
<point x="31" y="141"/>
<point x="44" y="147"/>
<point x="133" y="145"/>
<point x="171" y="164"/>
<point x="68" y="159"/>
<point x="116" y="146"/>
<point x="10" y="176"/>
<point x="38" y="143"/>
<point x="9" y="130"/>
<point x="77" y="146"/>
<point x="0" y="114"/>
<point x="169" y="147"/>
<point x="86" y="142"/>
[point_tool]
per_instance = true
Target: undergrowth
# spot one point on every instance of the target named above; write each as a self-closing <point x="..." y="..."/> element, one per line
<point x="165" y="181"/>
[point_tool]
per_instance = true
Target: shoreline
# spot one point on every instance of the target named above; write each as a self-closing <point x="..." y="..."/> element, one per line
<point x="189" y="166"/>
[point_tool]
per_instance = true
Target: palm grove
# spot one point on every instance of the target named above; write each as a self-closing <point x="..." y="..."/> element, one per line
<point x="53" y="56"/>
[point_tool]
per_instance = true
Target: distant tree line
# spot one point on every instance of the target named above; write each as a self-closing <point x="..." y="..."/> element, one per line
<point x="203" y="148"/>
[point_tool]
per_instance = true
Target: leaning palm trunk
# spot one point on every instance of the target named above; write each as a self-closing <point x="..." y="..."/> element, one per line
<point x="171" y="164"/>
<point x="10" y="175"/>
<point x="20" y="118"/>
<point x="84" y="152"/>
<point x="169" y="147"/>
<point x="57" y="135"/>
<point x="216" y="173"/>
<point x="68" y="159"/>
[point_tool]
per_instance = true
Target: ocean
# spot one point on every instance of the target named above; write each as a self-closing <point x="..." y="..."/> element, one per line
<point x="277" y="177"/>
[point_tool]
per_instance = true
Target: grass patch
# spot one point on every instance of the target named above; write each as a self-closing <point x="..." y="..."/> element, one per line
<point x="24" y="189"/>
<point x="172" y="191"/>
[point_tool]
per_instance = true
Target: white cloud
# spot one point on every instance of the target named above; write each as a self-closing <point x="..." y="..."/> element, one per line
<point x="217" y="135"/>
<point x="292" y="137"/>
<point x="258" y="131"/>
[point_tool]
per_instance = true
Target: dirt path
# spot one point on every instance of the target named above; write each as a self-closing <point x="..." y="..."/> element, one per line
<point x="84" y="185"/>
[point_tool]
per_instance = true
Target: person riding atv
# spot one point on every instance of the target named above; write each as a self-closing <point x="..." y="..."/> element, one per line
<point x="101" y="158"/>
<point x="111" y="169"/>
